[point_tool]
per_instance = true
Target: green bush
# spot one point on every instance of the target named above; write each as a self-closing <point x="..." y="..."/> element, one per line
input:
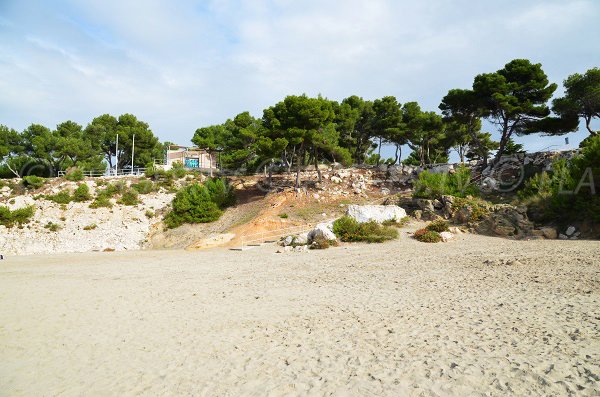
<point x="221" y="193"/>
<point x="427" y="236"/>
<point x="53" y="227"/>
<point x="321" y="243"/>
<point x="565" y="194"/>
<point x="90" y="227"/>
<point x="439" y="226"/>
<point x="9" y="218"/>
<point x="283" y="216"/>
<point x="459" y="184"/>
<point x="349" y="230"/>
<point x="33" y="182"/>
<point x="62" y="197"/>
<point x="192" y="204"/>
<point x="101" y="201"/>
<point x="74" y="175"/>
<point x="178" y="171"/>
<point x="82" y="193"/>
<point x="129" y="197"/>
<point x="144" y="186"/>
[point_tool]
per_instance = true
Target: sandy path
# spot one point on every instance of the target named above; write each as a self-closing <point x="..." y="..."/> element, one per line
<point x="402" y="318"/>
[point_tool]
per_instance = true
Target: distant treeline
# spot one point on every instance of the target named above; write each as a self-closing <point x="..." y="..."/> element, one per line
<point x="301" y="130"/>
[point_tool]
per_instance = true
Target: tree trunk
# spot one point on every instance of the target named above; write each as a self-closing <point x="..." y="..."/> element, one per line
<point x="396" y="155"/>
<point x="588" y="121"/>
<point x="210" y="163"/>
<point x="379" y="152"/>
<point x="298" y="166"/>
<point x="317" y="165"/>
<point x="12" y="170"/>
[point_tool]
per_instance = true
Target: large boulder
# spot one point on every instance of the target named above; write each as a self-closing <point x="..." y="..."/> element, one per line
<point x="377" y="213"/>
<point x="322" y="231"/>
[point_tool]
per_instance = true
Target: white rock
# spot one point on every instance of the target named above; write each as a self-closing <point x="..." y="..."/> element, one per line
<point x="570" y="230"/>
<point x="377" y="213"/>
<point x="446" y="236"/>
<point x="322" y="230"/>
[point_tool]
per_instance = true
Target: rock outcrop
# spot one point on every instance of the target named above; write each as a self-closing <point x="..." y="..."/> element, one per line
<point x="377" y="213"/>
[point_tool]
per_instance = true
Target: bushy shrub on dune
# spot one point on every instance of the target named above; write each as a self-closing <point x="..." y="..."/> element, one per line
<point x="9" y="217"/>
<point x="144" y="186"/>
<point x="33" y="182"/>
<point x="62" y="197"/>
<point x="192" y="204"/>
<point x="129" y="197"/>
<point x="82" y="193"/>
<point x="349" y="230"/>
<point x="427" y="236"/>
<point x="74" y="175"/>
<point x="220" y="192"/>
<point x="439" y="226"/>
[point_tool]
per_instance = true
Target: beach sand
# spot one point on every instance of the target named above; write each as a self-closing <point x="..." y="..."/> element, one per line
<point x="399" y="319"/>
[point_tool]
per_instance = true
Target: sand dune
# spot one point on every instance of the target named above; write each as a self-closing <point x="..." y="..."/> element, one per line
<point x="398" y="319"/>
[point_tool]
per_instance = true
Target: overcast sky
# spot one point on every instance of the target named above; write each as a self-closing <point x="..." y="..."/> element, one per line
<point x="180" y="65"/>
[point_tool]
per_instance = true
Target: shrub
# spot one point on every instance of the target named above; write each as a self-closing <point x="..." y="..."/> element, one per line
<point x="101" y="201"/>
<point x="178" y="170"/>
<point x="144" y="186"/>
<point x="82" y="193"/>
<point x="150" y="214"/>
<point x="348" y="229"/>
<point x="62" y="197"/>
<point x="129" y="197"/>
<point x="283" y="216"/>
<point x="53" y="227"/>
<point x="90" y="227"/>
<point x="430" y="185"/>
<point x="427" y="236"/>
<point x="479" y="208"/>
<point x="439" y="226"/>
<point x="221" y="192"/>
<point x="74" y="175"/>
<point x="19" y="216"/>
<point x="33" y="182"/>
<point x="395" y="222"/>
<point x="565" y="194"/>
<point x="192" y="204"/>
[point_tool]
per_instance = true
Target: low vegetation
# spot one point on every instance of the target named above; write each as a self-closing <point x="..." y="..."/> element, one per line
<point x="33" y="182"/>
<point x="129" y="197"/>
<point x="349" y="230"/>
<point x="62" y="197"/>
<point x="432" y="185"/>
<point x="82" y="193"/>
<point x="10" y="218"/>
<point x="438" y="226"/>
<point x="427" y="236"/>
<point x="568" y="192"/>
<point x="74" y="175"/>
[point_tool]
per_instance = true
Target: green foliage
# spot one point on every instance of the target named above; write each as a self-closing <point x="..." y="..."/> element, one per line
<point x="221" y="193"/>
<point x="74" y="175"/>
<point x="20" y="216"/>
<point x="62" y="197"/>
<point x="581" y="100"/>
<point x="150" y="214"/>
<point x="82" y="193"/>
<point x="101" y="201"/>
<point x="144" y="186"/>
<point x="283" y="216"/>
<point x="53" y="227"/>
<point x="427" y="236"/>
<point x="192" y="204"/>
<point x="569" y="192"/>
<point x="478" y="207"/>
<point x="33" y="182"/>
<point x="430" y="185"/>
<point x="129" y="197"/>
<point x="439" y="226"/>
<point x="178" y="171"/>
<point x="349" y="230"/>
<point x="90" y="227"/>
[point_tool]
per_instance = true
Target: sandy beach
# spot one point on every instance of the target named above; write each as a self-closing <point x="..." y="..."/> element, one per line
<point x="479" y="316"/>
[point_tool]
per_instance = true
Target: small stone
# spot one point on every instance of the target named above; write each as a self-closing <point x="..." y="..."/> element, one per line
<point x="562" y="237"/>
<point x="570" y="230"/>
